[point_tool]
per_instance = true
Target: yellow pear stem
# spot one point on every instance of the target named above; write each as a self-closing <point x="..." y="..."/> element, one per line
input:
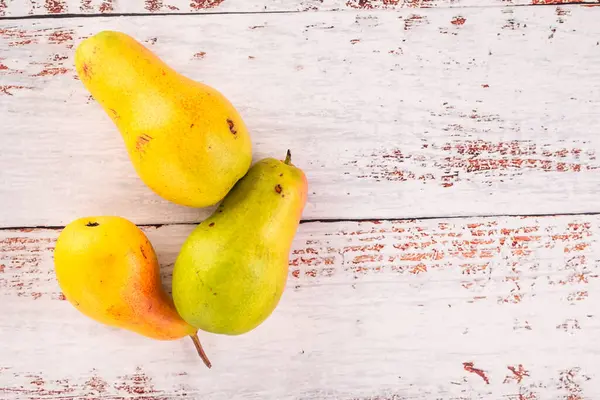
<point x="200" y="350"/>
<point x="288" y="158"/>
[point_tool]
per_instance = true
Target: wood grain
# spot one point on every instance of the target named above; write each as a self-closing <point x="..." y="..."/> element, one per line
<point x="478" y="308"/>
<point x="434" y="112"/>
<point x="20" y="8"/>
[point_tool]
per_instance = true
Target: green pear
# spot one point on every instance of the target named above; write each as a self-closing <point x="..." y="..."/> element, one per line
<point x="232" y="269"/>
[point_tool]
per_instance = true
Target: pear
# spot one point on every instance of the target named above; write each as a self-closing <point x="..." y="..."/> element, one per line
<point x="185" y="140"/>
<point x="107" y="268"/>
<point x="232" y="270"/>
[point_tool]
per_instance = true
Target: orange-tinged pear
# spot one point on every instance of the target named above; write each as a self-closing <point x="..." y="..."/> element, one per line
<point x="107" y="268"/>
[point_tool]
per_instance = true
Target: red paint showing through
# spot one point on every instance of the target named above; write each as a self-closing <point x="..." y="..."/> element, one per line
<point x="469" y="160"/>
<point x="469" y="367"/>
<point x="378" y="4"/>
<point x="19" y="37"/>
<point x="106" y="6"/>
<point x="96" y="384"/>
<point x="409" y="248"/>
<point x="518" y="373"/>
<point x="153" y="5"/>
<point x="551" y="2"/>
<point x="139" y="385"/>
<point x="528" y="396"/>
<point x="458" y="21"/>
<point x="204" y="4"/>
<point x="8" y="89"/>
<point x="60" y="36"/>
<point x="86" y="5"/>
<point x="55" y="6"/>
<point x="52" y="72"/>
<point x="568" y="381"/>
<point x="414" y="20"/>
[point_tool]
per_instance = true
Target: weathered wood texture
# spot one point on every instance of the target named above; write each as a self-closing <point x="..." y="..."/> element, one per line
<point x="479" y="308"/>
<point x="432" y="112"/>
<point x="16" y="8"/>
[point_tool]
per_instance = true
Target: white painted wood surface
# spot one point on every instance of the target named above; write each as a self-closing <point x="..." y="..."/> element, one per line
<point x="19" y="8"/>
<point x="394" y="109"/>
<point x="373" y="310"/>
<point x="433" y="112"/>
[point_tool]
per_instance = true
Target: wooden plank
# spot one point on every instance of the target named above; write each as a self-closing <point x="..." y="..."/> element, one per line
<point x="391" y="115"/>
<point x="478" y="308"/>
<point x="18" y="8"/>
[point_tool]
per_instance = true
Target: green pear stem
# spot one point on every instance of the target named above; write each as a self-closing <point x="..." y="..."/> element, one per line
<point x="200" y="350"/>
<point x="288" y="158"/>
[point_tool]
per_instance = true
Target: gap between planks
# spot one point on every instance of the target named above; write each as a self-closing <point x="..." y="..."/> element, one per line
<point x="339" y="220"/>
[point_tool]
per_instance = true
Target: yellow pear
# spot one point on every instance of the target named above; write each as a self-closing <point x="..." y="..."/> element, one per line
<point x="232" y="269"/>
<point x="186" y="141"/>
<point x="107" y="268"/>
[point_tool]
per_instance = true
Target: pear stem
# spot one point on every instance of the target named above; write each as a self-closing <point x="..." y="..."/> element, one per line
<point x="288" y="158"/>
<point x="200" y="350"/>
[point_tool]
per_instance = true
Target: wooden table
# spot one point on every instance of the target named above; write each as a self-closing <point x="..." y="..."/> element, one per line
<point x="451" y="243"/>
